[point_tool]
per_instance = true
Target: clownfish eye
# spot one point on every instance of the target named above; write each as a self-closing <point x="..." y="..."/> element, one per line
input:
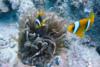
<point x="73" y="28"/>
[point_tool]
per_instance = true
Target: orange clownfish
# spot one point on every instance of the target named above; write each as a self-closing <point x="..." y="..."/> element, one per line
<point x="80" y="27"/>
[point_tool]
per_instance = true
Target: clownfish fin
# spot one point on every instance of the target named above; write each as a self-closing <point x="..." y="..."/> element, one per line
<point x="44" y="21"/>
<point x="81" y="34"/>
<point x="40" y="13"/>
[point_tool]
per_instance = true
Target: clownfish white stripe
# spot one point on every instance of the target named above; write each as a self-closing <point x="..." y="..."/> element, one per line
<point x="88" y="25"/>
<point x="37" y="21"/>
<point x="77" y="24"/>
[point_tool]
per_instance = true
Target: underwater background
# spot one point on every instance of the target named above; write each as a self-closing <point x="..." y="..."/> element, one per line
<point x="71" y="10"/>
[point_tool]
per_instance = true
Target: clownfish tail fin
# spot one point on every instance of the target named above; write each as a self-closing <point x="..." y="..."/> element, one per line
<point x="92" y="15"/>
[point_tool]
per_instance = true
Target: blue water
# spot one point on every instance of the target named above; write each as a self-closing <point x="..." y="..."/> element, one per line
<point x="8" y="17"/>
<point x="94" y="33"/>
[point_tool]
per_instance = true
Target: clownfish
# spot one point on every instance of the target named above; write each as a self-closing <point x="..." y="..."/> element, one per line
<point x="40" y="20"/>
<point x="80" y="27"/>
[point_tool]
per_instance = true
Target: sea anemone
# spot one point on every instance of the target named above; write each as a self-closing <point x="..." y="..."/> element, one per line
<point x="38" y="48"/>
